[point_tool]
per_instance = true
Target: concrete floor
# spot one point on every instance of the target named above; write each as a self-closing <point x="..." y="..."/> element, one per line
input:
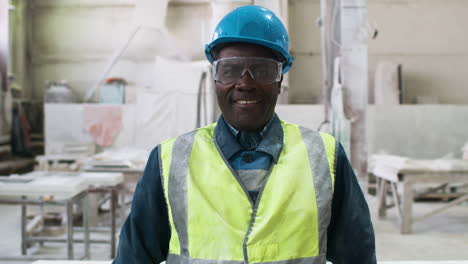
<point x="441" y="237"/>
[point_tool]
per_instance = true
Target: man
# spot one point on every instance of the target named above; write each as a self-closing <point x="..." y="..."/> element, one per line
<point x="250" y="188"/>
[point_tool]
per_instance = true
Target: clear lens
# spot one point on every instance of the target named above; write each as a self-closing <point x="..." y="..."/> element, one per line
<point x="229" y="71"/>
<point x="262" y="70"/>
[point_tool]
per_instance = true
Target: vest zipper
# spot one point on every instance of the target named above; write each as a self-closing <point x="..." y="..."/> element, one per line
<point x="254" y="213"/>
<point x="254" y="205"/>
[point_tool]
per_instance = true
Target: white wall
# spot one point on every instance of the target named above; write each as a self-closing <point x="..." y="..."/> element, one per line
<point x="427" y="36"/>
<point x="73" y="40"/>
<point x="305" y="77"/>
<point x="416" y="131"/>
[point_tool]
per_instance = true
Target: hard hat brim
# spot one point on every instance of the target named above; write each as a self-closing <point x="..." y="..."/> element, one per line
<point x="288" y="59"/>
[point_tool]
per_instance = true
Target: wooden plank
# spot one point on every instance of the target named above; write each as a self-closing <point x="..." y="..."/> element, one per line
<point x="5" y="149"/>
<point x="5" y="139"/>
<point x="438" y="196"/>
<point x="15" y="165"/>
<point x="382" y="194"/>
<point x="36" y="136"/>
<point x="396" y="200"/>
<point x="443" y="208"/>
<point x="431" y="190"/>
<point x="405" y="227"/>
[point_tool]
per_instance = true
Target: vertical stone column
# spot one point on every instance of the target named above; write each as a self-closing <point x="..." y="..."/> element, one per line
<point x="355" y="77"/>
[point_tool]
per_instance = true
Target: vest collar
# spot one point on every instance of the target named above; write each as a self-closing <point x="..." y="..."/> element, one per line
<point x="272" y="141"/>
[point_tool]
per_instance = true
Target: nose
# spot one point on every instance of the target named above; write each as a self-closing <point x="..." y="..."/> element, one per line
<point x="246" y="81"/>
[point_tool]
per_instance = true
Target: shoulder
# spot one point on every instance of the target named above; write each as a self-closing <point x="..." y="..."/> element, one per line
<point x="309" y="133"/>
<point x="206" y="131"/>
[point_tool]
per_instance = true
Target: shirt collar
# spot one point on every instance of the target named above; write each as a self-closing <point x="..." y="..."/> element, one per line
<point x="236" y="131"/>
<point x="271" y="143"/>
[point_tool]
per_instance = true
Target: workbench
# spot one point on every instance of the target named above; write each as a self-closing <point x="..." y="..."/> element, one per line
<point x="131" y="174"/>
<point x="46" y="191"/>
<point x="97" y="182"/>
<point x="398" y="174"/>
<point x="63" y="188"/>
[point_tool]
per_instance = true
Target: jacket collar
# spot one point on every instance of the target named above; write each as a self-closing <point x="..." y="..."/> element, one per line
<point x="271" y="143"/>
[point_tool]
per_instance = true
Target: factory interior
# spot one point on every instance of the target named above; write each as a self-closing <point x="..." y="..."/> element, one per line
<point x="90" y="88"/>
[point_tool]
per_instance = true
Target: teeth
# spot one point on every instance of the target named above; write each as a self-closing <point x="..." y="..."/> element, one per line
<point x="247" y="102"/>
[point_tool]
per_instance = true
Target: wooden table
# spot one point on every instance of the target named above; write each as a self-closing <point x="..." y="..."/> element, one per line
<point x="395" y="173"/>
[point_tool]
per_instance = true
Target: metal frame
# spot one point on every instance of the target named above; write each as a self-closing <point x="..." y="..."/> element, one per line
<point x="68" y="203"/>
<point x="114" y="192"/>
<point x="131" y="176"/>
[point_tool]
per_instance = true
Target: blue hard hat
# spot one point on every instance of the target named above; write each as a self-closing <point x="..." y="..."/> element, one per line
<point x="256" y="25"/>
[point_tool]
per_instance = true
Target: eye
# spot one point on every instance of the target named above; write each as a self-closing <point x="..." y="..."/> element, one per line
<point x="227" y="71"/>
<point x="261" y="71"/>
<point x="230" y="70"/>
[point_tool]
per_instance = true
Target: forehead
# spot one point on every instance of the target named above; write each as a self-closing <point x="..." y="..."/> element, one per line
<point x="245" y="50"/>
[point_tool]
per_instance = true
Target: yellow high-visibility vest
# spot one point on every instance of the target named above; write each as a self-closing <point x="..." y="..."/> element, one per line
<point x="212" y="217"/>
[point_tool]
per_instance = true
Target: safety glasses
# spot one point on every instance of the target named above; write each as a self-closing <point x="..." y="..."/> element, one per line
<point x="262" y="70"/>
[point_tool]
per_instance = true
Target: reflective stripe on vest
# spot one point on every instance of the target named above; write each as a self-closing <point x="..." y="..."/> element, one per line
<point x="213" y="220"/>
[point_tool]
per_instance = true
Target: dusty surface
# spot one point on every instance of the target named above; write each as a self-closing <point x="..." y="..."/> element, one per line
<point x="441" y="237"/>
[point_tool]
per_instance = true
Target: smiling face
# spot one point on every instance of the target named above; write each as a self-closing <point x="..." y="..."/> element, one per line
<point x="246" y="104"/>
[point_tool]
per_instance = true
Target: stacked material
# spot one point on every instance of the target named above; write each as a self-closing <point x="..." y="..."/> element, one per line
<point x="127" y="156"/>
